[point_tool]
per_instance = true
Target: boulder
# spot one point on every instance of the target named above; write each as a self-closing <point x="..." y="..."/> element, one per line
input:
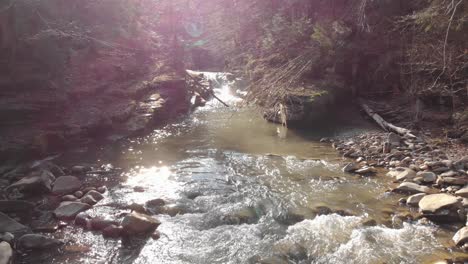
<point x="407" y="174"/>
<point x="411" y="188"/>
<point x="37" y="183"/>
<point x="427" y="176"/>
<point x="6" y="253"/>
<point x="461" y="237"/>
<point x="9" y="225"/>
<point x="435" y="202"/>
<point x="66" y="185"/>
<point x="136" y="223"/>
<point x="69" y="210"/>
<point x="414" y="200"/>
<point x="462" y="192"/>
<point x="37" y="241"/>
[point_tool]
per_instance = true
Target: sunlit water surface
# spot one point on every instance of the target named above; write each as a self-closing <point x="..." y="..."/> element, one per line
<point x="236" y="181"/>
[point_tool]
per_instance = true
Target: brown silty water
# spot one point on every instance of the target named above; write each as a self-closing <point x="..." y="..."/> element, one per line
<point x="236" y="188"/>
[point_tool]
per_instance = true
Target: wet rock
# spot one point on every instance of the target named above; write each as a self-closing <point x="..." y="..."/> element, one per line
<point x="137" y="208"/>
<point x="102" y="189"/>
<point x="394" y="172"/>
<point x="462" y="192"/>
<point x="16" y="206"/>
<point x="66" y="185"/>
<point x="9" y="225"/>
<point x="87" y="189"/>
<point x="366" y="170"/>
<point x="69" y="198"/>
<point x="156" y="235"/>
<point x="411" y="188"/>
<point x="414" y="200"/>
<point x="461" y="237"/>
<point x="69" y="210"/>
<point x="112" y="231"/>
<point x="36" y="241"/>
<point x="155" y="203"/>
<point x="82" y="219"/>
<point x="88" y="199"/>
<point x="6" y="253"/>
<point x="78" y="194"/>
<point x="369" y="222"/>
<point x="101" y="223"/>
<point x="240" y="216"/>
<point x="79" y="170"/>
<point x="139" y="189"/>
<point x="136" y="223"/>
<point x="350" y="167"/>
<point x="435" y="202"/>
<point x="427" y="176"/>
<point x="45" y="223"/>
<point x="95" y="194"/>
<point x="35" y="183"/>
<point x="7" y="237"/>
<point x="407" y="174"/>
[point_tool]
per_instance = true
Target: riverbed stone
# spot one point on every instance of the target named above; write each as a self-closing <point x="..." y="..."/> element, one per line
<point x="66" y="185"/>
<point x="82" y="219"/>
<point x="88" y="199"/>
<point x="462" y="192"/>
<point x="411" y="188"/>
<point x="112" y="231"/>
<point x="69" y="210"/>
<point x="427" y="176"/>
<point x="393" y="139"/>
<point x="37" y="241"/>
<point x="452" y="180"/>
<point x="461" y="237"/>
<point x="7" y="224"/>
<point x="6" y="253"/>
<point x="136" y="223"/>
<point x="414" y="200"/>
<point x="99" y="223"/>
<point x="16" y="206"/>
<point x="7" y="237"/>
<point x="350" y="167"/>
<point x="366" y="170"/>
<point x="69" y="198"/>
<point x="96" y="195"/>
<point x="435" y="202"/>
<point x="407" y="174"/>
<point x="38" y="182"/>
<point x="79" y="169"/>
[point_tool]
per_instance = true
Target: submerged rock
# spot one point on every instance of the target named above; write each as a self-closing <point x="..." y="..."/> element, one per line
<point x="136" y="223"/>
<point x="66" y="185"/>
<point x="6" y="253"/>
<point x="68" y="210"/>
<point x="36" y="241"/>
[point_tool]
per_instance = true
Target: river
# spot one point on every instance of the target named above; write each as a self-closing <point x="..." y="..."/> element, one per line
<point x="238" y="187"/>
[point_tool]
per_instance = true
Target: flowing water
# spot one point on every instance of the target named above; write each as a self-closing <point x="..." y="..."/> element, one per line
<point x="237" y="187"/>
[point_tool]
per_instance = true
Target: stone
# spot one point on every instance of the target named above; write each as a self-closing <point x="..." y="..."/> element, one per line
<point x="102" y="189"/>
<point x="6" y="253"/>
<point x="7" y="224"/>
<point x="394" y="172"/>
<point x="36" y="183"/>
<point x="78" y="194"/>
<point x="101" y="223"/>
<point x="66" y="185"/>
<point x="37" y="241"/>
<point x="427" y="176"/>
<point x="88" y="199"/>
<point x="414" y="200"/>
<point x="69" y="198"/>
<point x="435" y="202"/>
<point x="16" y="206"/>
<point x="82" y="219"/>
<point x="350" y="167"/>
<point x="452" y="180"/>
<point x="461" y="237"/>
<point x="96" y="195"/>
<point x="449" y="174"/>
<point x="155" y="203"/>
<point x="393" y="139"/>
<point x="79" y="170"/>
<point x="407" y="174"/>
<point x="112" y="231"/>
<point x="69" y="210"/>
<point x="366" y="170"/>
<point x="156" y="235"/>
<point x="462" y="192"/>
<point x="7" y="237"/>
<point x="136" y="223"/>
<point x="411" y="188"/>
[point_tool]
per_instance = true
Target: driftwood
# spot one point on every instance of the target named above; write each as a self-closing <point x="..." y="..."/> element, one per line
<point x="384" y="124"/>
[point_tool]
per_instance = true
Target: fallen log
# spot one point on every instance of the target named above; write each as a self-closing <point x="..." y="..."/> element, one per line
<point x="384" y="124"/>
<point x="203" y="89"/>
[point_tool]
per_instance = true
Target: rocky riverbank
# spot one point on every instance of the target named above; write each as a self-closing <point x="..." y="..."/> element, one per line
<point x="431" y="177"/>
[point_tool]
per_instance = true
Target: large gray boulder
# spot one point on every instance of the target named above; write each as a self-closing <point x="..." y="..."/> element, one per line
<point x="69" y="210"/>
<point x="433" y="203"/>
<point x="6" y="253"/>
<point x="66" y="185"/>
<point x="136" y="223"/>
<point x="9" y="225"/>
<point x="37" y="182"/>
<point x="37" y="241"/>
